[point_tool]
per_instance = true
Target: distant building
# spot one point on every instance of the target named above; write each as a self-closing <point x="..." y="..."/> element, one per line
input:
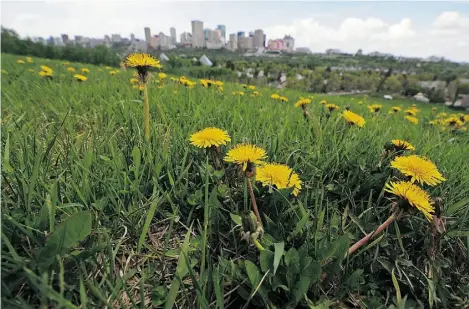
<point x="213" y="36"/>
<point x="379" y="54"/>
<point x="154" y="42"/>
<point x="246" y="42"/>
<point x="241" y="34"/>
<point x="65" y="38"/>
<point x="147" y="35"/>
<point x="233" y="43"/>
<point x="303" y="50"/>
<point x="222" y="29"/>
<point x="172" y="34"/>
<point x="287" y="44"/>
<point x="359" y="52"/>
<point x="185" y="39"/>
<point x="132" y="37"/>
<point x="116" y="38"/>
<point x="258" y="38"/>
<point x="333" y="51"/>
<point x="198" y="39"/>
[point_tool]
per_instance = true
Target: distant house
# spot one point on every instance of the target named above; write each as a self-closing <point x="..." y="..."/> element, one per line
<point x="163" y="57"/>
<point x="205" y="61"/>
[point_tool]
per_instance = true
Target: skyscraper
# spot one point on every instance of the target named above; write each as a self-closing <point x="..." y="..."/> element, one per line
<point x="198" y="39"/>
<point x="233" y="43"/>
<point x="65" y="38"/>
<point x="258" y="38"/>
<point x="147" y="35"/>
<point x="223" y="31"/>
<point x="172" y="34"/>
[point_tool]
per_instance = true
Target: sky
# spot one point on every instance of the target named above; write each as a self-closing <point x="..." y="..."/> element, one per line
<point x="413" y="29"/>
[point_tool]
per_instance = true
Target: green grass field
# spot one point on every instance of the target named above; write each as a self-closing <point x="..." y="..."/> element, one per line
<point x="94" y="216"/>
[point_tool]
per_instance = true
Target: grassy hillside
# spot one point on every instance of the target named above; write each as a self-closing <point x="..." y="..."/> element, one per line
<point x="95" y="216"/>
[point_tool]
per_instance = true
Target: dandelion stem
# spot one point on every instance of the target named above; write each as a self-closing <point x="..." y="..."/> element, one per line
<point x="253" y="201"/>
<point x="373" y="234"/>
<point x="305" y="112"/>
<point x="146" y="111"/>
<point x="257" y="244"/>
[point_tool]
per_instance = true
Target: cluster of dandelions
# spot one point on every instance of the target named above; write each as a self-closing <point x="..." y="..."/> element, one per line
<point x="252" y="162"/>
<point x="452" y="123"/>
<point x="278" y="97"/>
<point x="414" y="172"/>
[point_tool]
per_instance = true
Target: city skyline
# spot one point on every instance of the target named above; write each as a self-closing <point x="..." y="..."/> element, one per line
<point x="419" y="30"/>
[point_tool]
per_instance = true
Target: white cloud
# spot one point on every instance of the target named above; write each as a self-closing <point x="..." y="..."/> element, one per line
<point x="447" y="36"/>
<point x="451" y="20"/>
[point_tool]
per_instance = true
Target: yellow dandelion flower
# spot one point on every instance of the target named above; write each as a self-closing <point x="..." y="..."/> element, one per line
<point x="252" y="87"/>
<point x="275" y="96"/>
<point x="204" y="83"/>
<point x="210" y="137"/>
<point x="113" y="72"/>
<point x="412" y="195"/>
<point x="256" y="93"/>
<point x="433" y="109"/>
<point x="29" y="59"/>
<point x="410" y="112"/>
<point x="283" y="99"/>
<point x="32" y="71"/>
<point x="20" y="61"/>
<point x="279" y="175"/>
<point x="71" y="69"/>
<point x="332" y="107"/>
<point x="323" y="102"/>
<point x="238" y="93"/>
<point x="162" y="75"/>
<point x="412" y="119"/>
<point x="85" y="70"/>
<point x="302" y="102"/>
<point x="360" y="102"/>
<point x="46" y="71"/>
<point x="396" y="109"/>
<point x="133" y="81"/>
<point x="219" y="83"/>
<point x="419" y="169"/>
<point x="139" y="87"/>
<point x="80" y="78"/>
<point x="374" y="108"/>
<point x="453" y="121"/>
<point x="141" y="61"/>
<point x="243" y="154"/>
<point x="402" y="145"/>
<point x="433" y="122"/>
<point x="45" y="68"/>
<point x="354" y="119"/>
<point x="45" y="74"/>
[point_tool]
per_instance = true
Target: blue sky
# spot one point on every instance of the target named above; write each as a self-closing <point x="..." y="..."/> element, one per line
<point x="406" y="28"/>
